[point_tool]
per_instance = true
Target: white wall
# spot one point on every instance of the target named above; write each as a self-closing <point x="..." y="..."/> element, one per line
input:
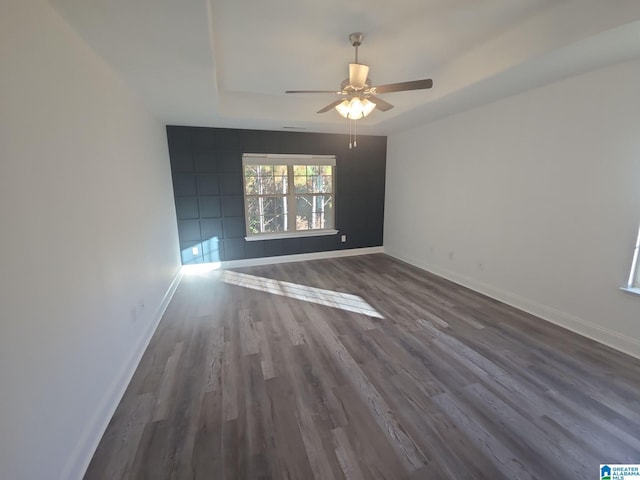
<point x="537" y="196"/>
<point x="87" y="231"/>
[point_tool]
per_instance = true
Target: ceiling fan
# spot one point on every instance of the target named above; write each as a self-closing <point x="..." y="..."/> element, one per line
<point x="358" y="96"/>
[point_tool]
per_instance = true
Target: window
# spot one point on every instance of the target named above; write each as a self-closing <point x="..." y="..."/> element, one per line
<point x="288" y="195"/>
<point x="634" y="276"/>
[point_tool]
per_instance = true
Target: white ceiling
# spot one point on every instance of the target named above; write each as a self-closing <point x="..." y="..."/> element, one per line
<point x="227" y="63"/>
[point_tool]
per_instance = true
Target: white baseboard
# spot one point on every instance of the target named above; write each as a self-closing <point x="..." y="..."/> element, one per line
<point x="577" y="325"/>
<point x="78" y="462"/>
<point x="251" y="262"/>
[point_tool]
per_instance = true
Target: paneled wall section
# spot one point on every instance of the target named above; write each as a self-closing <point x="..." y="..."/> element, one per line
<point x="206" y="165"/>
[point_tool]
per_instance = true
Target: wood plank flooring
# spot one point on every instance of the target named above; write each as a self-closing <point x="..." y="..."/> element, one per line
<point x="241" y="383"/>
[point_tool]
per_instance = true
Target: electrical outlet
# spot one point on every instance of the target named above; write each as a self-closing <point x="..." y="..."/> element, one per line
<point x="343" y="239"/>
<point x="195" y="250"/>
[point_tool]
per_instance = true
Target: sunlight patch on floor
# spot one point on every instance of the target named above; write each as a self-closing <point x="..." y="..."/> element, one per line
<point x="201" y="268"/>
<point x="329" y="298"/>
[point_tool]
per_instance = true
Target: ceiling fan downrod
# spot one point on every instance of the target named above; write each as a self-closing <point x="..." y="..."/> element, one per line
<point x="356" y="40"/>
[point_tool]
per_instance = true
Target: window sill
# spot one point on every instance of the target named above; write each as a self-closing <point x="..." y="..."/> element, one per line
<point x="276" y="236"/>
<point x="635" y="291"/>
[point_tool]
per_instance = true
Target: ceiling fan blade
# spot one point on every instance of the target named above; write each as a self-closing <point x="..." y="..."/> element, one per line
<point x="313" y="91"/>
<point x="358" y="75"/>
<point x="403" y="86"/>
<point x="380" y="104"/>
<point x="330" y="106"/>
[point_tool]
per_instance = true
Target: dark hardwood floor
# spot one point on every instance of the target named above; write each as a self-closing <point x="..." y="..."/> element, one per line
<point x="243" y="383"/>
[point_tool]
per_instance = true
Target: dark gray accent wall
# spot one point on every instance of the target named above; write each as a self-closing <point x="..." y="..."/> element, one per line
<point x="206" y="165"/>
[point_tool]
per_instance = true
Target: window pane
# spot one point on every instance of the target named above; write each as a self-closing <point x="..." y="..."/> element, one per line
<point x="314" y="212"/>
<point x="316" y="184"/>
<point x="266" y="170"/>
<point x="317" y="179"/>
<point x="251" y="185"/>
<point x="321" y="184"/>
<point x="250" y="170"/>
<point x="280" y="182"/>
<point x="273" y="223"/>
<point x="253" y="215"/>
<point x="302" y="179"/>
<point x="272" y="205"/>
<point x="265" y="179"/>
<point x="328" y="211"/>
<point x="253" y="210"/>
<point x="325" y="183"/>
<point x="300" y="182"/>
<point x="266" y="214"/>
<point x="268" y="185"/>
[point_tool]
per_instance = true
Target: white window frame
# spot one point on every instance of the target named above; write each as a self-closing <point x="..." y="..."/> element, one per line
<point x="289" y="161"/>
<point x="633" y="284"/>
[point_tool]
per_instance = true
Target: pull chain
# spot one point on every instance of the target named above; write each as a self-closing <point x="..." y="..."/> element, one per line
<point x="355" y="134"/>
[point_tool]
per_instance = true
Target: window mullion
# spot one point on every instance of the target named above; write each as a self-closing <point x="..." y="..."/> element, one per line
<point x="634" y="276"/>
<point x="291" y="199"/>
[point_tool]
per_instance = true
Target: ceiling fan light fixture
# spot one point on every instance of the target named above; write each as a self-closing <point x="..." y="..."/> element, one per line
<point x="343" y="108"/>
<point x="355" y="108"/>
<point x="367" y="107"/>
